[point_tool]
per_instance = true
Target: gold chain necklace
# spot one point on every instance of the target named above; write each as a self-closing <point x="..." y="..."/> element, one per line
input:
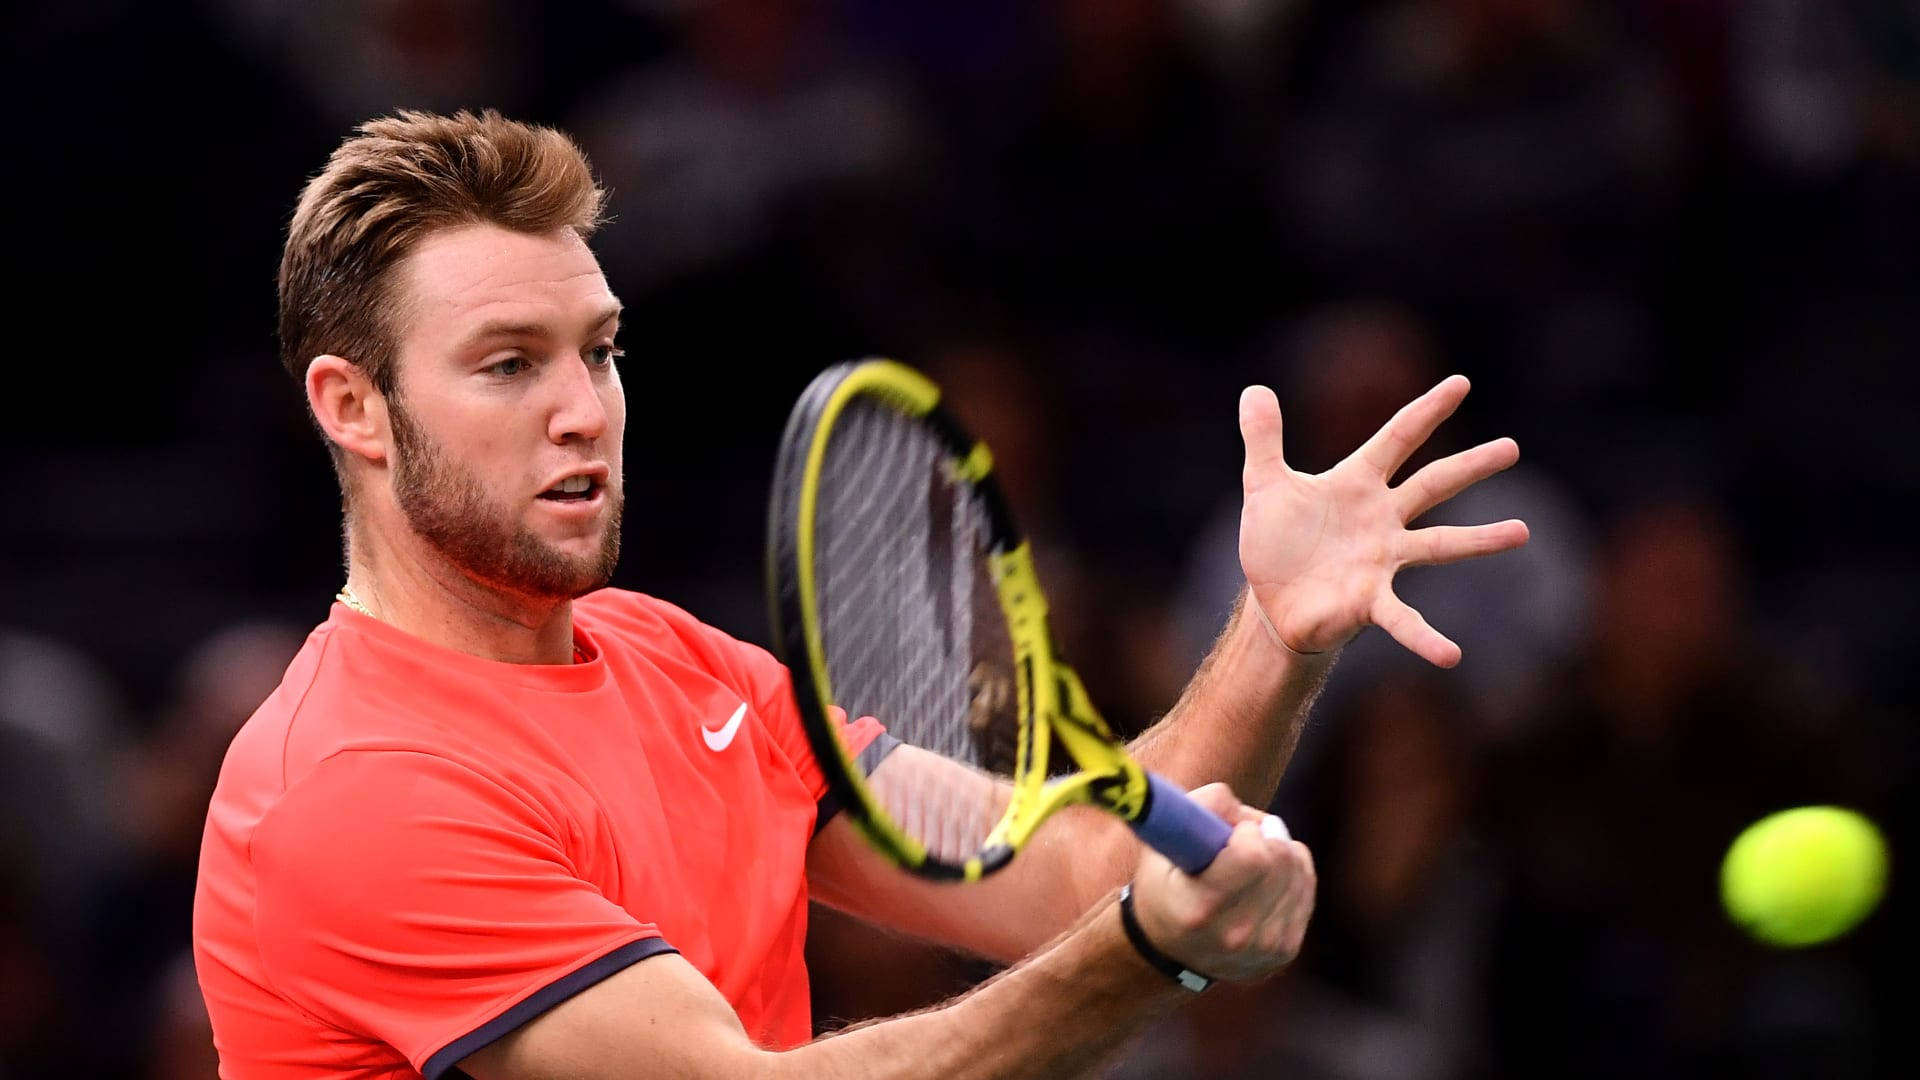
<point x="345" y="596"/>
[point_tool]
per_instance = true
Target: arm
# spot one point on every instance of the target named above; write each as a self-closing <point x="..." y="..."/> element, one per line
<point x="408" y="900"/>
<point x="1060" y="1013"/>
<point x="1320" y="553"/>
<point x="662" y="1012"/>
<point x="1237" y="722"/>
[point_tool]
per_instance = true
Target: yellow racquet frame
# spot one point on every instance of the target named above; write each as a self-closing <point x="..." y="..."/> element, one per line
<point x="1051" y="700"/>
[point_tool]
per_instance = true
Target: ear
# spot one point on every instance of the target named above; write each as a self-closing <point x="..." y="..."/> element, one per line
<point x="348" y="408"/>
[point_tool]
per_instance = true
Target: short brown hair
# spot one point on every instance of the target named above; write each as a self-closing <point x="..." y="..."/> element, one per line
<point x="389" y="186"/>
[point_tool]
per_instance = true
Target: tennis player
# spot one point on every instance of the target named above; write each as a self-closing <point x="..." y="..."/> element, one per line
<point x="502" y="822"/>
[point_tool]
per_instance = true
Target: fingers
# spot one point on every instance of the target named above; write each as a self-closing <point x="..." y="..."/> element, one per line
<point x="1441" y="544"/>
<point x="1273" y="828"/>
<point x="1260" y="430"/>
<point x="1410" y="629"/>
<point x="1245" y="917"/>
<point x="1265" y="917"/>
<point x="1257" y="858"/>
<point x="1284" y="926"/>
<point x="1393" y="444"/>
<point x="1220" y="799"/>
<point x="1451" y="475"/>
<point x="1255" y="830"/>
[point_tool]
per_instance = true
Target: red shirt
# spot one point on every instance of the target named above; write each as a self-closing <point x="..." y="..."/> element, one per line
<point x="413" y="851"/>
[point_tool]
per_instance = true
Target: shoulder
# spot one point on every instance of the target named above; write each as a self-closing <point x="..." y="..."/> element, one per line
<point x="359" y="821"/>
<point x="347" y="691"/>
<point x="362" y="786"/>
<point x="256" y="758"/>
<point x="628" y="610"/>
<point x="669" y="635"/>
<point x="642" y="619"/>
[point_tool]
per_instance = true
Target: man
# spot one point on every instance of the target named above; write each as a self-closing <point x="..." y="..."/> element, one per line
<point x="475" y="832"/>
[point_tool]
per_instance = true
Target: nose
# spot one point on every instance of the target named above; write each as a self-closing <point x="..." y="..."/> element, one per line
<point x="578" y="410"/>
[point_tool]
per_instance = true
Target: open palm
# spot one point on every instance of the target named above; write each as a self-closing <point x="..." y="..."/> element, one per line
<point x="1320" y="550"/>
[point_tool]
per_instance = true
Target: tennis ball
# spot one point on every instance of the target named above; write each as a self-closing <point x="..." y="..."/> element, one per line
<point x="1803" y="876"/>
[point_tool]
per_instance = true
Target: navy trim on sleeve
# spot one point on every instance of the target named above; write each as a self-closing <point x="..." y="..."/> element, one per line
<point x="441" y="1065"/>
<point x="867" y="760"/>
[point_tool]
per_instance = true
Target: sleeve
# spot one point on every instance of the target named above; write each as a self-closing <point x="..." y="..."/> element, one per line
<point x="404" y="897"/>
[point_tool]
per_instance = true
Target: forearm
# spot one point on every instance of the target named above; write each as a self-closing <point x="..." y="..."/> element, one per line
<point x="1236" y="723"/>
<point x="1061" y="1013"/>
<point x="1241" y="715"/>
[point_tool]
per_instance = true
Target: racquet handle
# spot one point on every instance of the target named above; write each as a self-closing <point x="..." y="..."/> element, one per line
<point x="1188" y="834"/>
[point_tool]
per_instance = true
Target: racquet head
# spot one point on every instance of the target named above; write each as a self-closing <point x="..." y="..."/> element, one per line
<point x="901" y="589"/>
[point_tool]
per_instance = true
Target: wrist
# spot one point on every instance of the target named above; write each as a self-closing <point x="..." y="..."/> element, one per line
<point x="1137" y="937"/>
<point x="1273" y="634"/>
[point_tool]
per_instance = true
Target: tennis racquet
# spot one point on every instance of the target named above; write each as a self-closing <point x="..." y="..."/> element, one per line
<point x="901" y="589"/>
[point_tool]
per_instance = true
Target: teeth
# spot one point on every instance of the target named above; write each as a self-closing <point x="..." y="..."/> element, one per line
<point x="574" y="485"/>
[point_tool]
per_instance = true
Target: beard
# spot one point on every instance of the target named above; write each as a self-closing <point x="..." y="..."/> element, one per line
<point x="449" y="507"/>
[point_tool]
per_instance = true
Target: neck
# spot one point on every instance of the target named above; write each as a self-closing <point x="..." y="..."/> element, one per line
<point x="405" y="586"/>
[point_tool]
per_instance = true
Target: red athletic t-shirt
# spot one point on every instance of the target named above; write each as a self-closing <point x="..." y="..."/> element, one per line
<point x="413" y="851"/>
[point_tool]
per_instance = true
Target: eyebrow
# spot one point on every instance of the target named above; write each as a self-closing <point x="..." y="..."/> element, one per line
<point x="493" y="330"/>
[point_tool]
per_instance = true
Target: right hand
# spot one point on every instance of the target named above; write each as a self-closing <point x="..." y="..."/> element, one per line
<point x="1245" y="916"/>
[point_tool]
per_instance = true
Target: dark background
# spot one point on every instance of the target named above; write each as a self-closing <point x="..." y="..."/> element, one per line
<point x="1673" y="242"/>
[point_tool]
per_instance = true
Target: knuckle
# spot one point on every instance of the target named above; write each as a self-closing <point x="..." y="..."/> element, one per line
<point x="1245" y="844"/>
<point x="1216" y="797"/>
<point x="1308" y="871"/>
<point x="1197" y="909"/>
<point x="1237" y="937"/>
<point x="1296" y="937"/>
<point x="1273" y="859"/>
<point x="1201" y="915"/>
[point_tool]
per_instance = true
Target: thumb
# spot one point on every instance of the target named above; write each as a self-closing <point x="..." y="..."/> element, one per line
<point x="1220" y="799"/>
<point x="1260" y="430"/>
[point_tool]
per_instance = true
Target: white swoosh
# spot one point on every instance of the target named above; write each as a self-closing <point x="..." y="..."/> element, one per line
<point x="720" y="740"/>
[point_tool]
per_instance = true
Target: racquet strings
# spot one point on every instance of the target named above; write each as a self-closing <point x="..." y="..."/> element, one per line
<point x="911" y="627"/>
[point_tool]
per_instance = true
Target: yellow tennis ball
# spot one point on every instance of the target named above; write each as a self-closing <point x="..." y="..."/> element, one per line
<point x="1803" y="876"/>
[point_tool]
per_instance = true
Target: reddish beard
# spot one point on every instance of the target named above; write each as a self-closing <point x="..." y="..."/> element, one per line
<point x="449" y="507"/>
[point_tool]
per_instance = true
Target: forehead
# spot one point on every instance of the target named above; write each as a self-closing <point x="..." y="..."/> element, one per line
<point x="458" y="278"/>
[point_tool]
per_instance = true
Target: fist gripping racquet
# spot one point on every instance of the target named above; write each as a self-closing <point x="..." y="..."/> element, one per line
<point x="901" y="589"/>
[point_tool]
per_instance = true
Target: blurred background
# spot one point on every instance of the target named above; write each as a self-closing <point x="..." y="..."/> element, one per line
<point x="1675" y="243"/>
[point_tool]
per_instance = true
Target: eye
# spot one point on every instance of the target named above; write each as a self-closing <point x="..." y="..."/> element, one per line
<point x="511" y="366"/>
<point x="604" y="355"/>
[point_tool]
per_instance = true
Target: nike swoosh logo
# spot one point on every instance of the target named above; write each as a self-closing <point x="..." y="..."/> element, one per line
<point x="720" y="740"/>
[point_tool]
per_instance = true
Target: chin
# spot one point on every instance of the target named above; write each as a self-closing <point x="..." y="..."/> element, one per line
<point x="541" y="569"/>
<point x="555" y="587"/>
<point x="589" y="590"/>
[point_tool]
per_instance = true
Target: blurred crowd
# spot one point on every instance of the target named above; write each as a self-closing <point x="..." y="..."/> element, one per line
<point x="1675" y="243"/>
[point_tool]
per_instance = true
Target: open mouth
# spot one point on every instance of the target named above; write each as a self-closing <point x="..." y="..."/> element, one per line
<point x="572" y="489"/>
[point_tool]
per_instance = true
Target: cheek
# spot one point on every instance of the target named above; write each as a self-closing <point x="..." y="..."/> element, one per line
<point x="614" y="401"/>
<point x="487" y="444"/>
<point x="491" y="449"/>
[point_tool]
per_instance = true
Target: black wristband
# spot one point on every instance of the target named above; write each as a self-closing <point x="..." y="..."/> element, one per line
<point x="1167" y="965"/>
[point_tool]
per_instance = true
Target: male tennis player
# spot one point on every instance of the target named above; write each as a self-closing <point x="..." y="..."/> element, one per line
<point x="499" y="821"/>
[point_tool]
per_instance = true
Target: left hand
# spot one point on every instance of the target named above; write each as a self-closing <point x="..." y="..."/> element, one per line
<point x="1320" y="551"/>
